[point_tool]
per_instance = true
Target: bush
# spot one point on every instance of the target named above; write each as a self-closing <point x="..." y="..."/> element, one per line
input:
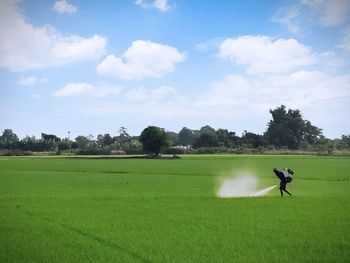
<point x="134" y="151"/>
<point x="174" y="151"/>
<point x="203" y="150"/>
<point x="15" y="153"/>
<point x="117" y="152"/>
<point x="94" y="152"/>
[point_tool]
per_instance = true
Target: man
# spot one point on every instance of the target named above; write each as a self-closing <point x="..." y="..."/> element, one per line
<point x="285" y="177"/>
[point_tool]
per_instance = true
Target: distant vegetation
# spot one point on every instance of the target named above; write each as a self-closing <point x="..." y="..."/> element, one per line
<point x="286" y="131"/>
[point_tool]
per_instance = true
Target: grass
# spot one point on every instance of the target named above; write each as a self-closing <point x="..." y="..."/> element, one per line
<point x="114" y="210"/>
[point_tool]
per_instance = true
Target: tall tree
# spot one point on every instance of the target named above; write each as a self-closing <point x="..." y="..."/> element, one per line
<point x="154" y="140"/>
<point x="123" y="140"/>
<point x="64" y="144"/>
<point x="29" y="143"/>
<point x="99" y="140"/>
<point x="185" y="137"/>
<point x="343" y="142"/>
<point x="287" y="128"/>
<point x="207" y="138"/>
<point x="49" y="142"/>
<point x="172" y="138"/>
<point x="82" y="141"/>
<point x="227" y="138"/>
<point x="8" y="140"/>
<point x="251" y="139"/>
<point x="207" y="129"/>
<point x="107" y="140"/>
<point x="50" y="137"/>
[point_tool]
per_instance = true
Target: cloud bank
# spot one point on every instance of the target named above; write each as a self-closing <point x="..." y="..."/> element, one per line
<point x="63" y="7"/>
<point x="161" y="5"/>
<point x="31" y="81"/>
<point x="142" y="59"/>
<point x="262" y="54"/>
<point x="28" y="47"/>
<point x="85" y="89"/>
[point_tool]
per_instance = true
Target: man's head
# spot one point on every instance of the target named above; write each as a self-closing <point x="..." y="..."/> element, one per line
<point x="275" y="170"/>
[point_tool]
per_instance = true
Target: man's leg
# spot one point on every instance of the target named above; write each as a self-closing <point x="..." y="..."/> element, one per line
<point x="287" y="192"/>
<point x="282" y="188"/>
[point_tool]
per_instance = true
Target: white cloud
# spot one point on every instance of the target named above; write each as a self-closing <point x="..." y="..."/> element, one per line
<point x="209" y="44"/>
<point x="161" y="5"/>
<point x="141" y="94"/>
<point x="345" y="41"/>
<point x="63" y="6"/>
<point x="236" y="102"/>
<point x="332" y="60"/>
<point x="84" y="89"/>
<point x="288" y="16"/>
<point x="306" y="13"/>
<point x="163" y="92"/>
<point x="143" y="59"/>
<point x="256" y="95"/>
<point x="31" y="81"/>
<point x="329" y="12"/>
<point x="262" y="54"/>
<point x="28" y="47"/>
<point x="238" y="97"/>
<point x="136" y="95"/>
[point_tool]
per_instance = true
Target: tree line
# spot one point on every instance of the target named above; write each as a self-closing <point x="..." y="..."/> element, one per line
<point x="286" y="130"/>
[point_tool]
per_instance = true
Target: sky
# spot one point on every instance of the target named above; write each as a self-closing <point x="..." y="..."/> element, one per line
<point x="91" y="67"/>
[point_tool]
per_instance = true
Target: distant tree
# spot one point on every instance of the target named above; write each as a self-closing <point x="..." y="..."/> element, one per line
<point x="49" y="142"/>
<point x="104" y="140"/>
<point x="252" y="140"/>
<point x="154" y="140"/>
<point x="287" y="128"/>
<point x="29" y="143"/>
<point x="322" y="144"/>
<point x="134" y="144"/>
<point x="50" y="137"/>
<point x="311" y="133"/>
<point x="205" y="140"/>
<point x="227" y="138"/>
<point x="207" y="129"/>
<point x="107" y="140"/>
<point x="92" y="143"/>
<point x="343" y="142"/>
<point x="185" y="137"/>
<point x="8" y="140"/>
<point x="206" y="137"/>
<point x="123" y="140"/>
<point x="82" y="142"/>
<point x="99" y="140"/>
<point x="64" y="145"/>
<point x="172" y="138"/>
<point x="346" y="140"/>
<point x="74" y="145"/>
<point x="123" y="132"/>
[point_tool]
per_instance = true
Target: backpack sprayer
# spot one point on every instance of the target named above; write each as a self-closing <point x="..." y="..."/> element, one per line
<point x="287" y="172"/>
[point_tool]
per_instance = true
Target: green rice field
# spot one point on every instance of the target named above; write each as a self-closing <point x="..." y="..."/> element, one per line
<point x="69" y="209"/>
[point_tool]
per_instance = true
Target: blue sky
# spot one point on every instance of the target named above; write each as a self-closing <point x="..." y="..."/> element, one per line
<point x="90" y="67"/>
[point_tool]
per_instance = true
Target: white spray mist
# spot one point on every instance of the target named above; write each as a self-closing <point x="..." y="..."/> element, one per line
<point x="243" y="184"/>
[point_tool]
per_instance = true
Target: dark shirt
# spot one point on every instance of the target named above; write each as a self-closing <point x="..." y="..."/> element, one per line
<point x="283" y="182"/>
<point x="280" y="176"/>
